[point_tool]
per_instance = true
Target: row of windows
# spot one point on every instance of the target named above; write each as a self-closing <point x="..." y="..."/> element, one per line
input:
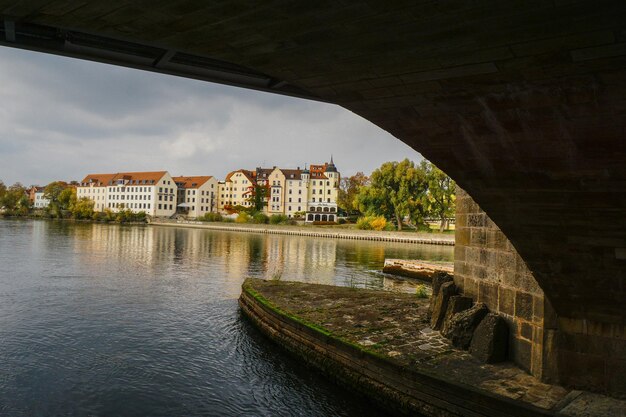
<point x="164" y="207"/>
<point x="320" y="200"/>
<point x="320" y="218"/>
<point x="130" y="205"/>
<point x="320" y="192"/>
<point x="167" y="190"/>
<point x="129" y="189"/>
<point x="326" y="209"/>
<point x="161" y="198"/>
<point x="193" y="192"/>
<point x="131" y="197"/>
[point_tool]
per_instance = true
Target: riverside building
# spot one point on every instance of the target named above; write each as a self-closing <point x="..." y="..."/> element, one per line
<point x="196" y="195"/>
<point x="154" y="193"/>
<point x="293" y="192"/>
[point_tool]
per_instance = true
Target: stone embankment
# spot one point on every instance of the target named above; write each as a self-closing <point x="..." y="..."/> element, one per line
<point x="416" y="269"/>
<point x="380" y="344"/>
<point x="312" y="231"/>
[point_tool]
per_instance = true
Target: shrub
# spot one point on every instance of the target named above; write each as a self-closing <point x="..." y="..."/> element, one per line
<point x="228" y="220"/>
<point x="211" y="217"/>
<point x="378" y="223"/>
<point x="323" y="223"/>
<point x="421" y="291"/>
<point x="373" y="223"/>
<point x="260" y="218"/>
<point x="278" y="219"/>
<point x="243" y="217"/>
<point x="342" y="221"/>
<point x="363" y="223"/>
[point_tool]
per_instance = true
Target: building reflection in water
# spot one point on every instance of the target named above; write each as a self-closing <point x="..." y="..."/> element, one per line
<point x="239" y="255"/>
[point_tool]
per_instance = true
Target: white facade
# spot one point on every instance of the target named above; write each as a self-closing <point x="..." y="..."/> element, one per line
<point x="197" y="196"/>
<point x="40" y="202"/>
<point x="151" y="192"/>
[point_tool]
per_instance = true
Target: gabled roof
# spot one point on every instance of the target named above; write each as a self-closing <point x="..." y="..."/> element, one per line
<point x="191" y="182"/>
<point x="99" y="180"/>
<point x="248" y="174"/>
<point x="292" y="174"/>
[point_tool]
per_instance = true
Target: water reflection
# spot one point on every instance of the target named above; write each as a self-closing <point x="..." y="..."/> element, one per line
<point x="240" y="255"/>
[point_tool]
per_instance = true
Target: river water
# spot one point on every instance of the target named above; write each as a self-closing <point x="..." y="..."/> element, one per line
<point x="108" y="320"/>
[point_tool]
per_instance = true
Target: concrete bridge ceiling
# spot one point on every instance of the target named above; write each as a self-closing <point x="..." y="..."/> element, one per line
<point x="522" y="102"/>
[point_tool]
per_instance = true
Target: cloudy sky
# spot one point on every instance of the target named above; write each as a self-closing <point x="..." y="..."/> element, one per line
<point x="62" y="118"/>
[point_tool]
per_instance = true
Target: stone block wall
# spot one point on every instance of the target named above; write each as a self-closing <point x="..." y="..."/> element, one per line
<point x="488" y="268"/>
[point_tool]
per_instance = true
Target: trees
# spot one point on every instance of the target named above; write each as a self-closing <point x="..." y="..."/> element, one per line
<point x="440" y="199"/>
<point x="257" y="197"/>
<point x="14" y="199"/>
<point x="349" y="188"/>
<point x="394" y="192"/>
<point x="83" y="209"/>
<point x="400" y="189"/>
<point x="67" y="198"/>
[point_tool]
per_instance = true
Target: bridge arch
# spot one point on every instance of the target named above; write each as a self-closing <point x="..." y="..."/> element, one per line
<point x="522" y="104"/>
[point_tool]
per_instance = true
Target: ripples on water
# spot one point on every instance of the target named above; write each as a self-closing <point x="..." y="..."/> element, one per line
<point x="104" y="320"/>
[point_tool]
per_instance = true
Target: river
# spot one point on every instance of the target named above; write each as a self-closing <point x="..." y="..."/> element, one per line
<point x="109" y="320"/>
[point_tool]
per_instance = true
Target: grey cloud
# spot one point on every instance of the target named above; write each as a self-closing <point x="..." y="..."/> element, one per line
<point x="64" y="118"/>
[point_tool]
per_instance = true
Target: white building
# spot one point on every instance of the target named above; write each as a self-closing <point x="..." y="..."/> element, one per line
<point x="151" y="192"/>
<point x="291" y="191"/>
<point x="323" y="188"/>
<point x="196" y="195"/>
<point x="39" y="201"/>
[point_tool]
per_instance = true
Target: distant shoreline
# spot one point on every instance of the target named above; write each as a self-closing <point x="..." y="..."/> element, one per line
<point x="314" y="231"/>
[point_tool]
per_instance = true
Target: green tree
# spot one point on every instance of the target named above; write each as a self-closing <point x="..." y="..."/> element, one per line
<point x="14" y="199"/>
<point x="83" y="209"/>
<point x="67" y="198"/>
<point x="349" y="187"/>
<point x="440" y="201"/>
<point x="3" y="189"/>
<point x="396" y="188"/>
<point x="257" y="198"/>
<point x="53" y="190"/>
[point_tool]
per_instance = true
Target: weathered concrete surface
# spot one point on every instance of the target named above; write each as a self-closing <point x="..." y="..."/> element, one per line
<point x="416" y="268"/>
<point x="393" y="327"/>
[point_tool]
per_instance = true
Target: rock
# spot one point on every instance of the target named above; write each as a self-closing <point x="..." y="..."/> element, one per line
<point x="456" y="304"/>
<point x="462" y="325"/>
<point x="438" y="280"/>
<point x="490" y="341"/>
<point x="440" y="306"/>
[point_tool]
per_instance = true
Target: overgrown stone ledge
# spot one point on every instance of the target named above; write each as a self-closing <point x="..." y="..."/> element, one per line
<point x="381" y="344"/>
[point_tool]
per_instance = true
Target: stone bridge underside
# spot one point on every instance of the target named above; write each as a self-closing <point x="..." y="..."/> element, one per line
<point x="523" y="103"/>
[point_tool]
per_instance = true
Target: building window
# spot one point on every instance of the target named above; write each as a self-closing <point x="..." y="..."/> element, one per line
<point x="159" y="207"/>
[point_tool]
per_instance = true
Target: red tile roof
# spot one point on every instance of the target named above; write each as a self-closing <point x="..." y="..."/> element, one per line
<point x="191" y="182"/>
<point x="132" y="178"/>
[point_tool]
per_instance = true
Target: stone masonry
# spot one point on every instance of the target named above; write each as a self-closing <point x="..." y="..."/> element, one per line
<point x="575" y="352"/>
<point x="488" y="269"/>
